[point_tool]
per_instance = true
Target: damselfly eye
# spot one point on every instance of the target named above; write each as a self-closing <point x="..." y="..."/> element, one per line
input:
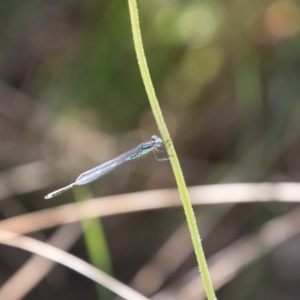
<point x="157" y="141"/>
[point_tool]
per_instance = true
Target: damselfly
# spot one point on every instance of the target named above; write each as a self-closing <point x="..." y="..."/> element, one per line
<point x="156" y="144"/>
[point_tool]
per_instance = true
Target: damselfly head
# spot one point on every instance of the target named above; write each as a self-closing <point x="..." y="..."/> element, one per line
<point x="157" y="142"/>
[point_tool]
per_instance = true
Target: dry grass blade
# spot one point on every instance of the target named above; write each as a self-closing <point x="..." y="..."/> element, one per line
<point x="126" y="203"/>
<point x="38" y="267"/>
<point x="70" y="261"/>
<point x="229" y="262"/>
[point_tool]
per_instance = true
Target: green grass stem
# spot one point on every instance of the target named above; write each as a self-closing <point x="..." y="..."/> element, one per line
<point x="138" y="44"/>
<point x="95" y="241"/>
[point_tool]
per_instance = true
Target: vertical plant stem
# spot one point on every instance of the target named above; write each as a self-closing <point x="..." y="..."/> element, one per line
<point x="95" y="241"/>
<point x="171" y="150"/>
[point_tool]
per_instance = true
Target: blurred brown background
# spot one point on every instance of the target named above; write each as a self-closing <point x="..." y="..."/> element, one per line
<point x="227" y="76"/>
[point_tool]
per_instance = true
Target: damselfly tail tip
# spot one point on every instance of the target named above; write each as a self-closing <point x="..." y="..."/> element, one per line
<point x="49" y="196"/>
<point x="57" y="192"/>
